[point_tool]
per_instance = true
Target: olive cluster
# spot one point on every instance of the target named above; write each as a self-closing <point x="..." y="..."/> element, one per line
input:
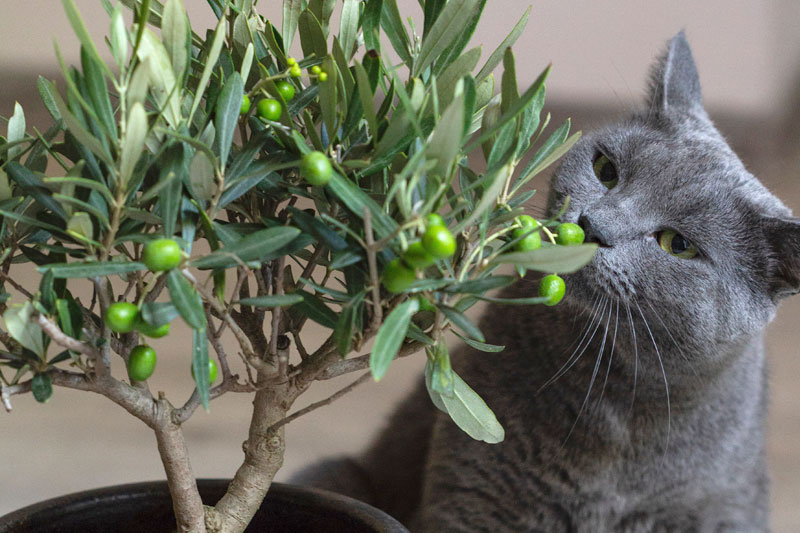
<point x="158" y="255"/>
<point x="436" y="243"/>
<point x="526" y="237"/>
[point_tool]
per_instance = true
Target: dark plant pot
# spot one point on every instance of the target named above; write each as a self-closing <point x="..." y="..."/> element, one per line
<point x="147" y="507"/>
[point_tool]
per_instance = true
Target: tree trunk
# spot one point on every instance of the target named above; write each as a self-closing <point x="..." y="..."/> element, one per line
<point x="263" y="457"/>
<point x="186" y="502"/>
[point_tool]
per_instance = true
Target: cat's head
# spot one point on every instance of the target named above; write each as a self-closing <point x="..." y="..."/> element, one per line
<point x="685" y="232"/>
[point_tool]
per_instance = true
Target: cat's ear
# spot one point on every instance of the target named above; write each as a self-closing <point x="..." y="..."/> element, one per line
<point x="675" y="84"/>
<point x="782" y="236"/>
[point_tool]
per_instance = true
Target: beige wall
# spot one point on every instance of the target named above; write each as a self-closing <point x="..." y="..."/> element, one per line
<point x="747" y="50"/>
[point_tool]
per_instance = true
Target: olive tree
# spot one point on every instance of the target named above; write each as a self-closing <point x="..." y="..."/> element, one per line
<point x="215" y="179"/>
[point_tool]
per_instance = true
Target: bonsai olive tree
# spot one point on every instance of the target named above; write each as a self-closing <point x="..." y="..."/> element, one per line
<point x="218" y="180"/>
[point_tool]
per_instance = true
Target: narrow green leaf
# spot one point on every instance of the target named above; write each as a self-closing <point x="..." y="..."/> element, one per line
<point x="450" y="24"/>
<point x="291" y="14"/>
<point x="348" y="26"/>
<point x="480" y="286"/>
<point x="315" y="309"/>
<point x="392" y="23"/>
<point x="81" y="182"/>
<point x="346" y="324"/>
<point x="431" y="11"/>
<point x="312" y="225"/>
<point x="42" y="388"/>
<point x="482" y="346"/>
<point x="16" y="131"/>
<point x="390" y="337"/>
<point x="508" y="42"/>
<point x="471" y="414"/>
<point x="259" y="246"/>
<point x="91" y="269"/>
<point x="210" y="64"/>
<point x="247" y="62"/>
<point x="22" y="329"/>
<point x="355" y="199"/>
<point x="513" y="111"/>
<point x="80" y="133"/>
<point x="82" y="33"/>
<point x="550" y="154"/>
<point x="446" y="83"/>
<point x="133" y="143"/>
<point x="508" y="84"/>
<point x="98" y="93"/>
<point x="435" y="397"/>
<point x="445" y="141"/>
<point x="488" y="197"/>
<point x="186" y="300"/>
<point x="533" y="300"/>
<point x="558" y="259"/>
<point x="273" y="300"/>
<point x="176" y="36"/>
<point x="312" y="38"/>
<point x="228" y="105"/>
<point x="441" y="378"/>
<point x="453" y="51"/>
<point x="367" y="98"/>
<point x="371" y="25"/>
<point x="462" y="322"/>
<point x="328" y="99"/>
<point x="32" y="185"/>
<point x="46" y="92"/>
<point x="200" y="364"/>
<point x="158" y="313"/>
<point x="118" y="38"/>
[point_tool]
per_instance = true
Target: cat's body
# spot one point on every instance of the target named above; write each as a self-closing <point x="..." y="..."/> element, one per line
<point x="656" y="419"/>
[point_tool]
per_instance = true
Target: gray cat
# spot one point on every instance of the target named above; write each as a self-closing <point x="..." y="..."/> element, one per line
<point x="649" y="417"/>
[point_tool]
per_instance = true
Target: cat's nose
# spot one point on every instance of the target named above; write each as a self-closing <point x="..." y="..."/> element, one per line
<point x="593" y="231"/>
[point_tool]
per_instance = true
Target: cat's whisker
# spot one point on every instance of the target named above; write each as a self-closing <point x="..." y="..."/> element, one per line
<point x="663" y="373"/>
<point x="611" y="355"/>
<point x="675" y="342"/>
<point x="597" y="363"/>
<point x="635" y="355"/>
<point x="570" y="362"/>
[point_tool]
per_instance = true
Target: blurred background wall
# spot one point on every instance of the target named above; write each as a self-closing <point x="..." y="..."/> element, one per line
<point x="747" y="52"/>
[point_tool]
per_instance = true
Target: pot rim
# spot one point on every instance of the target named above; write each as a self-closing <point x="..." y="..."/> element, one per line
<point x="213" y="489"/>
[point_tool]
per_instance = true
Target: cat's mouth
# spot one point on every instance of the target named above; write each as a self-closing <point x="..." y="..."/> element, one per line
<point x="601" y="276"/>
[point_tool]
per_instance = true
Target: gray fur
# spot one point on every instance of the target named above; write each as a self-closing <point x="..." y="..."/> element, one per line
<point x="656" y="420"/>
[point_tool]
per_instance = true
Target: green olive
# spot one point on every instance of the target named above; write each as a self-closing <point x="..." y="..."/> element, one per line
<point x="569" y="234"/>
<point x="121" y="317"/>
<point x="417" y="256"/>
<point x="316" y="168"/>
<point x="397" y="277"/>
<point x="553" y="288"/>
<point x="161" y="254"/>
<point x="439" y="242"/>
<point x="141" y="362"/>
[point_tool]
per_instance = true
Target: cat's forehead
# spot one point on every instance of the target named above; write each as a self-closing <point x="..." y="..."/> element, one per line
<point x="687" y="159"/>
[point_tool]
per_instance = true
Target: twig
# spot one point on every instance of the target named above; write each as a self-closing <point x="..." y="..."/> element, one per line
<point x="7" y="391"/>
<point x="241" y="337"/>
<point x="361" y="362"/>
<point x="181" y="415"/>
<point x="16" y="285"/>
<point x="377" y="313"/>
<point x="60" y="338"/>
<point x="213" y="338"/>
<point x="277" y="288"/>
<point x="316" y="405"/>
<point x="103" y="363"/>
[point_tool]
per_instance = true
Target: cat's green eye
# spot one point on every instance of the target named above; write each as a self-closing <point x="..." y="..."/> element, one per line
<point x="605" y="171"/>
<point x="676" y="244"/>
